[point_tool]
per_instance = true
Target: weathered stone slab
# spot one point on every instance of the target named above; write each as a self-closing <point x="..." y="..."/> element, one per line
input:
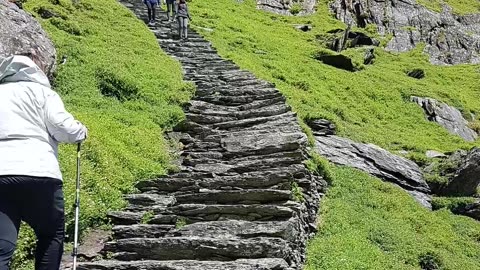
<point x="245" y="264"/>
<point x="376" y="161"/>
<point x="247" y="196"/>
<point x="141" y="231"/>
<point x="181" y="248"/>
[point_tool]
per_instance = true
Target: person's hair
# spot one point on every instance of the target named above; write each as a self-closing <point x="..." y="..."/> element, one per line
<point x="35" y="58"/>
<point x="182" y="2"/>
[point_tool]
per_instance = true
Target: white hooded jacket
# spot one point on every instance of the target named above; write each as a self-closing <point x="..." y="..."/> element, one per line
<point x="33" y="121"/>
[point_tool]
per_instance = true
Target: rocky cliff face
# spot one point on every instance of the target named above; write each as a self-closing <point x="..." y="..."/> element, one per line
<point x="449" y="39"/>
<point x="20" y="33"/>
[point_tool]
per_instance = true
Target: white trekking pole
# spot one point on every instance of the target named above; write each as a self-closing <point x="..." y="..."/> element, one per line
<point x="77" y="211"/>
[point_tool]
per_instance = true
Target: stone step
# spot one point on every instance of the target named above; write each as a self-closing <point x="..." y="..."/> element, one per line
<point x="247" y="196"/>
<point x="226" y="229"/>
<point x="217" y="116"/>
<point x="138" y="217"/>
<point x="197" y="248"/>
<point x="141" y="231"/>
<point x="237" y="91"/>
<point x="204" y="212"/>
<point x="247" y="143"/>
<point x="188" y="49"/>
<point x="234" y="100"/>
<point x="249" y="163"/>
<point x="279" y="178"/>
<point x="202" y="107"/>
<point x="226" y="77"/>
<point x="218" y="83"/>
<point x="209" y="69"/>
<point x="245" y="123"/>
<point x="242" y="264"/>
<point x="214" y="212"/>
<point x="144" y="199"/>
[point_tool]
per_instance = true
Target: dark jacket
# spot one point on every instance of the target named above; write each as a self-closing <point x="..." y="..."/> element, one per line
<point x="182" y="11"/>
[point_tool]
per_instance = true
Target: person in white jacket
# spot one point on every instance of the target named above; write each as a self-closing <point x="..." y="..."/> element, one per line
<point x="33" y="121"/>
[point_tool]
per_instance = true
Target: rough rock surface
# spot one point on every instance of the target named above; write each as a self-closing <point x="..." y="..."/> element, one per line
<point x="321" y="127"/>
<point x="284" y="7"/>
<point x="449" y="117"/>
<point x="471" y="210"/>
<point x="20" y="33"/>
<point x="449" y="39"/>
<point x="462" y="170"/>
<point x="231" y="205"/>
<point x="376" y="161"/>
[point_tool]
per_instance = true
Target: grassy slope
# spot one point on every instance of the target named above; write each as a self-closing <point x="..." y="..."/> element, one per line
<point x="366" y="224"/>
<point x="125" y="141"/>
<point x="460" y="7"/>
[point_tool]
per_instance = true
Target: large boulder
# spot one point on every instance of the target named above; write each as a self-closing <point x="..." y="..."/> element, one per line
<point x="449" y="39"/>
<point x="449" y="117"/>
<point x="376" y="161"/>
<point x="459" y="175"/>
<point x="20" y="33"/>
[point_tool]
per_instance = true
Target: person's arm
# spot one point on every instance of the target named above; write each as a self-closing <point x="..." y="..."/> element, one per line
<point x="188" y="12"/>
<point x="60" y="124"/>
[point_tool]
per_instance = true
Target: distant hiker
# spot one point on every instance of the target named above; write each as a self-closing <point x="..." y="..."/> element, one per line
<point x="151" y="6"/>
<point x="182" y="16"/>
<point x="33" y="121"/>
<point x="170" y="9"/>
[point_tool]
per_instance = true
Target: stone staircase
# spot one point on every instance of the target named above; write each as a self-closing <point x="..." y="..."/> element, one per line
<point x="243" y="198"/>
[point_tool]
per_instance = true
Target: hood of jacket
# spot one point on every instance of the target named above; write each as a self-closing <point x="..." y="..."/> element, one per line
<point x="19" y="68"/>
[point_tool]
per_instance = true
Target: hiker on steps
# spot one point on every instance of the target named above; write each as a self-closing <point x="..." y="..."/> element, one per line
<point x="33" y="121"/>
<point x="151" y="7"/>
<point x="182" y="16"/>
<point x="170" y="9"/>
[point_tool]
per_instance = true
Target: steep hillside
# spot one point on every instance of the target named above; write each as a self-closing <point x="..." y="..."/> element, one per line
<point x="115" y="79"/>
<point x="366" y="224"/>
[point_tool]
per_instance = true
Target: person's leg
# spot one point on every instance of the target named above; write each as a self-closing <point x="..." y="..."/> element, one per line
<point x="154" y="7"/>
<point x="46" y="216"/>
<point x="149" y="13"/>
<point x="169" y="9"/>
<point x="185" y="28"/>
<point x="9" y="222"/>
<point x="180" y="27"/>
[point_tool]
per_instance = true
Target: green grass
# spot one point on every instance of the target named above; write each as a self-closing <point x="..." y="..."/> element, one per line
<point x="460" y="7"/>
<point x="108" y="50"/>
<point x="368" y="106"/>
<point x="369" y="224"/>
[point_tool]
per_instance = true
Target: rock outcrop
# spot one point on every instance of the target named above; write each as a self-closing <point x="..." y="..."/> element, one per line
<point x="376" y="161"/>
<point x="288" y="7"/>
<point x="460" y="173"/>
<point x="20" y="33"/>
<point x="470" y="210"/>
<point x="448" y="117"/>
<point x="337" y="60"/>
<point x="243" y="198"/>
<point x="321" y="127"/>
<point x="449" y="39"/>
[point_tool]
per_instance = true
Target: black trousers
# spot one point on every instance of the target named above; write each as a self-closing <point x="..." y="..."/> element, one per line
<point x="39" y="202"/>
